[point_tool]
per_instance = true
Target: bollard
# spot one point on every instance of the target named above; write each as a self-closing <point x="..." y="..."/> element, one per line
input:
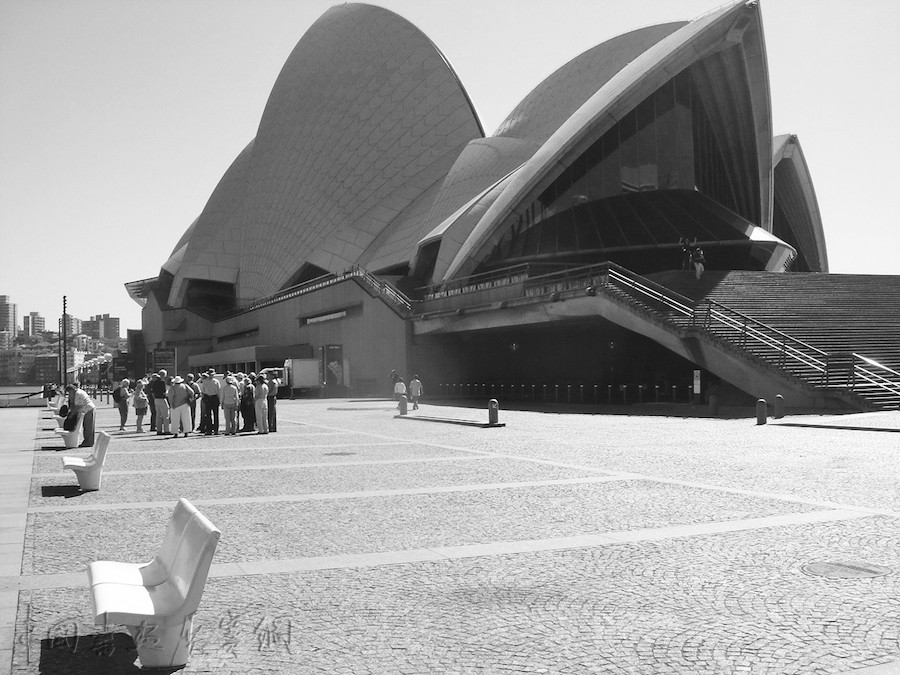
<point x="779" y="407"/>
<point x="403" y="403"/>
<point x="493" y="411"/>
<point x="713" y="405"/>
<point x="761" y="411"/>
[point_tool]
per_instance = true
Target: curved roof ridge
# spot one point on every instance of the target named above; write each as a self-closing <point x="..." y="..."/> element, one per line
<point x="560" y="94"/>
<point x="215" y="230"/>
<point x="786" y="148"/>
<point x="363" y="105"/>
<point x="621" y="93"/>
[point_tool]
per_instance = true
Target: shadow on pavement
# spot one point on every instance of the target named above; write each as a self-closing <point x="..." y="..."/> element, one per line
<point x="108" y="653"/>
<point x="67" y="491"/>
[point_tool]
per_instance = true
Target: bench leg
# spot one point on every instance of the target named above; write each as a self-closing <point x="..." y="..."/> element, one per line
<point x="89" y="480"/>
<point x="163" y="645"/>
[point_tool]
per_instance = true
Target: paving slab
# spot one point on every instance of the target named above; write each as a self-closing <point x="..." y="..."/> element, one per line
<point x="561" y="543"/>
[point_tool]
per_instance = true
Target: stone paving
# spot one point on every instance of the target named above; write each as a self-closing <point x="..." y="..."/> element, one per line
<point x="355" y="542"/>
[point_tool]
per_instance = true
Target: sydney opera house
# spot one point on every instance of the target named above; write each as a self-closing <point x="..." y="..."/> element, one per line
<point x="372" y="224"/>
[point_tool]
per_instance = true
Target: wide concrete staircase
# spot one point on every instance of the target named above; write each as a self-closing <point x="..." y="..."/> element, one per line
<point x="839" y="331"/>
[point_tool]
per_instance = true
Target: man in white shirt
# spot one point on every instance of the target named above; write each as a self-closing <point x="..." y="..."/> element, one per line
<point x="209" y="390"/>
<point x="82" y="404"/>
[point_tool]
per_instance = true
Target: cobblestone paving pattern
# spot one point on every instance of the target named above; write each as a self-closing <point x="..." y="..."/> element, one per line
<point x="305" y="480"/>
<point x="237" y="457"/>
<point x="858" y="468"/>
<point x="734" y="602"/>
<point x="66" y="542"/>
<point x="720" y="604"/>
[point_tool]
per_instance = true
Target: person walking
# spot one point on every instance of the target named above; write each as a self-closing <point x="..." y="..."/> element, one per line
<point x="272" y="382"/>
<point x="261" y="405"/>
<point x="140" y="402"/>
<point x="158" y="388"/>
<point x="120" y="397"/>
<point x="180" y="393"/>
<point x="399" y="390"/>
<point x="230" y="397"/>
<point x="81" y="404"/>
<point x="415" y="391"/>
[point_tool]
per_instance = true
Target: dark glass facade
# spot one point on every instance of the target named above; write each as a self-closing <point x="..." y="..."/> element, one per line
<point x="595" y="210"/>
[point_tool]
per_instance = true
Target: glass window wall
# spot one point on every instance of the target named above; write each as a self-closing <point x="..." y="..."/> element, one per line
<point x="666" y="143"/>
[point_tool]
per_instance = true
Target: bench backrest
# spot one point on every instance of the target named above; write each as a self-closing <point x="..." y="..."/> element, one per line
<point x="190" y="566"/>
<point x="98" y="455"/>
<point x="157" y="570"/>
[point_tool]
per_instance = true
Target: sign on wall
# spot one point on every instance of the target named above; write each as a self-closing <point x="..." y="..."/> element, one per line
<point x="164" y="358"/>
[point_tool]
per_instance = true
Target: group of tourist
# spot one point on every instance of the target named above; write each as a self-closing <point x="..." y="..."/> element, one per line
<point x="171" y="402"/>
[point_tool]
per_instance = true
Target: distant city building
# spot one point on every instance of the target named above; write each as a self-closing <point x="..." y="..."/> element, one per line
<point x="92" y="328"/>
<point x="87" y="343"/>
<point x="108" y="326"/>
<point x="6" y="339"/>
<point x="8" y="320"/>
<point x="16" y="366"/>
<point x="46" y="368"/>
<point x="73" y="325"/>
<point x="9" y="366"/>
<point x="33" y="324"/>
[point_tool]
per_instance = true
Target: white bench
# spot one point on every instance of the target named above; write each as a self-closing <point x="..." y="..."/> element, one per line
<point x="60" y="420"/>
<point x="89" y="470"/>
<point x="157" y="600"/>
<point x="70" y="438"/>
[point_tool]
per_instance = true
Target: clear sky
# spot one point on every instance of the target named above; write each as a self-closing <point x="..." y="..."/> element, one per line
<point x="119" y="117"/>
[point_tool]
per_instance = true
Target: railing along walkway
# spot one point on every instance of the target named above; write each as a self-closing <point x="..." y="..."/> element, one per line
<point x="375" y="287"/>
<point x="848" y="370"/>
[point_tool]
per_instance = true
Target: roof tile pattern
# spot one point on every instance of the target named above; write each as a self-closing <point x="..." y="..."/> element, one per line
<point x="212" y="251"/>
<point x="364" y="106"/>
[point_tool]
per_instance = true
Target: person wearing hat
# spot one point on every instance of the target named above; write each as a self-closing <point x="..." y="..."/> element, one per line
<point x="261" y="405"/>
<point x="179" y="395"/>
<point x="209" y="408"/>
<point x="229" y="395"/>
<point x="158" y="387"/>
<point x="248" y="394"/>
<point x="192" y="404"/>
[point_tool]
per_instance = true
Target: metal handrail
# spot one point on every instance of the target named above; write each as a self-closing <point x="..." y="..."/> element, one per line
<point x="477" y="282"/>
<point x="873" y="378"/>
<point x="779" y="348"/>
<point x="804" y="356"/>
<point x="386" y="290"/>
